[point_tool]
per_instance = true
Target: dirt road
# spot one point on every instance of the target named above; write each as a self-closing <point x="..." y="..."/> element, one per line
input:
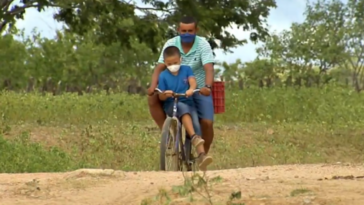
<point x="280" y="185"/>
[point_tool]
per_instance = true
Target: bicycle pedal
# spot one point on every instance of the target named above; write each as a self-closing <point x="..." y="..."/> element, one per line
<point x="190" y="162"/>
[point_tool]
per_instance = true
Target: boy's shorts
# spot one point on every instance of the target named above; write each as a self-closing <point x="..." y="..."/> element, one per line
<point x="204" y="106"/>
<point x="183" y="109"/>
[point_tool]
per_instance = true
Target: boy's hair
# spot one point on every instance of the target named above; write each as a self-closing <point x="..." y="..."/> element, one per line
<point x="171" y="51"/>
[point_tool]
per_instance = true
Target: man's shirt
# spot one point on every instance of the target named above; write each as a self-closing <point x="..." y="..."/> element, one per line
<point x="199" y="55"/>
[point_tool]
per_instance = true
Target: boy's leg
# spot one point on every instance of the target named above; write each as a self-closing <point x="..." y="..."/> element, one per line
<point x="190" y="121"/>
<point x="195" y="138"/>
<point x="197" y="129"/>
<point x="184" y="111"/>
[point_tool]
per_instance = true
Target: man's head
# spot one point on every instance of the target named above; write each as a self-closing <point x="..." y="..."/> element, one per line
<point x="172" y="58"/>
<point x="187" y="29"/>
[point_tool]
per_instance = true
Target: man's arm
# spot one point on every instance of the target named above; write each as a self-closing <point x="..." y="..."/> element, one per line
<point x="157" y="71"/>
<point x="163" y="87"/>
<point x="160" y="66"/>
<point x="191" y="79"/>
<point x="209" y="71"/>
<point x="207" y="57"/>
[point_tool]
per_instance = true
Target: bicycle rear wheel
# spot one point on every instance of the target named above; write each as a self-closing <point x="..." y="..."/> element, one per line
<point x="169" y="152"/>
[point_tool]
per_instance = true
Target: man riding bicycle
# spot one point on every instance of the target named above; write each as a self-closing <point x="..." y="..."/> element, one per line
<point x="196" y="52"/>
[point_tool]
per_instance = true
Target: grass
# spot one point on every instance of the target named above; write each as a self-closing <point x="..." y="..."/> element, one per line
<point x="21" y="155"/>
<point x="133" y="146"/>
<point x="47" y="133"/>
<point x="43" y="133"/>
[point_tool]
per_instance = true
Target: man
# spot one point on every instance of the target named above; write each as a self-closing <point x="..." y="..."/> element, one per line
<point x="196" y="52"/>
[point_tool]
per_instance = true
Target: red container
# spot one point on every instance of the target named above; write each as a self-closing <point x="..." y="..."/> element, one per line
<point x="218" y="96"/>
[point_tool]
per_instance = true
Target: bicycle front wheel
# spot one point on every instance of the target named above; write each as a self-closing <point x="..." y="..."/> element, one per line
<point x="169" y="151"/>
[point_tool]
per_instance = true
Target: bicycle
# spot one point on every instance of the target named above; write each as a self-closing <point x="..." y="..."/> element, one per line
<point x="172" y="144"/>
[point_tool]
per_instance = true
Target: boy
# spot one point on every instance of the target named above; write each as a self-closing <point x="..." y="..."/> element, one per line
<point x="179" y="78"/>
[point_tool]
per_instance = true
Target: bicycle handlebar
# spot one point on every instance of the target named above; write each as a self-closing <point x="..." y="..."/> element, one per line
<point x="175" y="94"/>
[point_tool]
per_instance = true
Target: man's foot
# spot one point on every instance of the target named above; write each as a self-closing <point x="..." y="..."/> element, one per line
<point x="203" y="161"/>
<point x="197" y="141"/>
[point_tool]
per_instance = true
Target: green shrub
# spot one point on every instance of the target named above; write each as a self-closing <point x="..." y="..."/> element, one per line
<point x="22" y="155"/>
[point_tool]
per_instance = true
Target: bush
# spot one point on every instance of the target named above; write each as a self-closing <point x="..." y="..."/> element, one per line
<point x="22" y="155"/>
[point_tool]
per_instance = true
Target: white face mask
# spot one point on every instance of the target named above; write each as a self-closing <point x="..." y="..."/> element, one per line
<point x="173" y="68"/>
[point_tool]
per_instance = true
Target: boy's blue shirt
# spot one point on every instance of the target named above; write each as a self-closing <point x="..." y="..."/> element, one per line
<point x="177" y="83"/>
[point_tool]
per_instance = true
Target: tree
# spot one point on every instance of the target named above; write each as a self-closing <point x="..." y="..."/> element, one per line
<point x="261" y="72"/>
<point x="337" y="38"/>
<point x="353" y="38"/>
<point x="318" y="42"/>
<point x="11" y="10"/>
<point x="12" y="61"/>
<point x="324" y="26"/>
<point x="232" y="73"/>
<point x="60" y="63"/>
<point x="118" y="20"/>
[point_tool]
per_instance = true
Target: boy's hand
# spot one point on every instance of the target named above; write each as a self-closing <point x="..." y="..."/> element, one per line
<point x="189" y="93"/>
<point x="168" y="93"/>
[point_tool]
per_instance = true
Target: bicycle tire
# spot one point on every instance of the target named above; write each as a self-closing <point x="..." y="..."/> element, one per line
<point x="168" y="133"/>
<point x="182" y="148"/>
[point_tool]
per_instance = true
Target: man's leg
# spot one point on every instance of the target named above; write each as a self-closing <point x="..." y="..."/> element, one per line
<point x="156" y="110"/>
<point x="205" y="109"/>
<point x="207" y="133"/>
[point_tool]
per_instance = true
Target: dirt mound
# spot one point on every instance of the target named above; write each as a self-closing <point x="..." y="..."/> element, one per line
<point x="289" y="184"/>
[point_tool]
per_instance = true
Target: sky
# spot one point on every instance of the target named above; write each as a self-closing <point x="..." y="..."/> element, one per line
<point x="287" y="12"/>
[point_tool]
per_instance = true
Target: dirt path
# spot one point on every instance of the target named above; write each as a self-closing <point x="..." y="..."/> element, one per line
<point x="291" y="184"/>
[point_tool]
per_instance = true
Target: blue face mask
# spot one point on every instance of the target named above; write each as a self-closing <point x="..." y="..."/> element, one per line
<point x="187" y="37"/>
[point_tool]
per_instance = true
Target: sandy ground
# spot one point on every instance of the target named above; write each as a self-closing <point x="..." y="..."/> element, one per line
<point x="279" y="185"/>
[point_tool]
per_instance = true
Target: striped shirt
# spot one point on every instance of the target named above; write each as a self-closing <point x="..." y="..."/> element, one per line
<point x="199" y="55"/>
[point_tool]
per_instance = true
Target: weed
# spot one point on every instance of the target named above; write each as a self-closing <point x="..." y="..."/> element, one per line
<point x="299" y="191"/>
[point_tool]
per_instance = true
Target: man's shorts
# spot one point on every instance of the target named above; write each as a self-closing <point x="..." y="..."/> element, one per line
<point x="204" y="106"/>
<point x="183" y="109"/>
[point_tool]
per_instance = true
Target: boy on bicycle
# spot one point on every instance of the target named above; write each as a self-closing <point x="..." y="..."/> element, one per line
<point x="179" y="78"/>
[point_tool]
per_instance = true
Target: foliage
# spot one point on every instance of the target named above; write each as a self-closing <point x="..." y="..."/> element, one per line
<point x="23" y="155"/>
<point x="111" y="44"/>
<point x="263" y="126"/>
<point x="124" y="22"/>
<point x="296" y="92"/>
<point x="292" y="104"/>
<point x="326" y="47"/>
<point x="331" y="105"/>
<point x="69" y="58"/>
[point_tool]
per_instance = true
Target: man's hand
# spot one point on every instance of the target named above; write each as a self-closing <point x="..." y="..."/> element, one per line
<point x="150" y="90"/>
<point x="205" y="91"/>
<point x="168" y="93"/>
<point x="189" y="93"/>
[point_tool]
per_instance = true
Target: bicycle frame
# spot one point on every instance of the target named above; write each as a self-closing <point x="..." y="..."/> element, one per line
<point x="185" y="155"/>
<point x="178" y="131"/>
